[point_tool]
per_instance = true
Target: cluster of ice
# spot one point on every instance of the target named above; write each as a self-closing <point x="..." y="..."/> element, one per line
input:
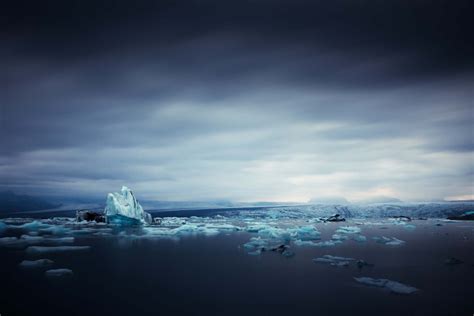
<point x="123" y="208"/>
<point x="393" y="286"/>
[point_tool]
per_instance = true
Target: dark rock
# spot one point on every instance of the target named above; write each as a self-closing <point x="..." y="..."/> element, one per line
<point x="335" y="218"/>
<point x="464" y="217"/>
<point x="284" y="250"/>
<point x="280" y="248"/>
<point x="90" y="216"/>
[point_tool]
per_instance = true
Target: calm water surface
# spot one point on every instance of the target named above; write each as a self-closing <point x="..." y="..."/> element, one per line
<point x="199" y="275"/>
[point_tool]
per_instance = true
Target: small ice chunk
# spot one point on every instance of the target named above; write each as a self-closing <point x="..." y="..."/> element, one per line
<point x="34" y="225"/>
<point x="40" y="263"/>
<point x="306" y="233"/>
<point x="53" y="249"/>
<point x="339" y="237"/>
<point x="360" y="238"/>
<point x="330" y="259"/>
<point x="334" y="261"/>
<point x="348" y="230"/>
<point x="287" y="253"/>
<point x="304" y="243"/>
<point x="388" y="241"/>
<point x="338" y="258"/>
<point x="255" y="246"/>
<point x="328" y="243"/>
<point x="58" y="273"/>
<point x="393" y="286"/>
<point x="409" y="227"/>
<point x="55" y="230"/>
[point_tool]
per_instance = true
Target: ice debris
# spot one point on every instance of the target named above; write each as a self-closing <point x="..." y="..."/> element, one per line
<point x="40" y="263"/>
<point x="58" y="273"/>
<point x="393" y="286"/>
<point x="123" y="208"/>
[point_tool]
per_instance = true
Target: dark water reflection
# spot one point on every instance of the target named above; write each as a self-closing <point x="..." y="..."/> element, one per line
<point x="213" y="276"/>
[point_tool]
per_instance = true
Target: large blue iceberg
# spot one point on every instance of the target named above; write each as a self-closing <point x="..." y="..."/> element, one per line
<point x="123" y="208"/>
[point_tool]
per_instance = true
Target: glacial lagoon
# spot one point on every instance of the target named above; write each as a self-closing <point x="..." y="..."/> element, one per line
<point x="262" y="261"/>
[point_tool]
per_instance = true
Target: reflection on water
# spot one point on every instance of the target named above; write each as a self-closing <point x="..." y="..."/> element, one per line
<point x="202" y="266"/>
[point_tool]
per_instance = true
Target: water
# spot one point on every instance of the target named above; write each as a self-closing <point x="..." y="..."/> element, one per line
<point x="213" y="275"/>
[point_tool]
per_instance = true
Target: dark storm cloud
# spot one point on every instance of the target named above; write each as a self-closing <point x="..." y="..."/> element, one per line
<point x="237" y="99"/>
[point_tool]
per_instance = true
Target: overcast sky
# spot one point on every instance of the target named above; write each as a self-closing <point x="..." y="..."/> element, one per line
<point x="239" y="100"/>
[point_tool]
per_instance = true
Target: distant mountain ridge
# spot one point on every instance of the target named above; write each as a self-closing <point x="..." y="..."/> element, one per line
<point x="11" y="202"/>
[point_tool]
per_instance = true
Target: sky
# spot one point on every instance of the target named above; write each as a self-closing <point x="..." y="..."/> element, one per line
<point x="238" y="100"/>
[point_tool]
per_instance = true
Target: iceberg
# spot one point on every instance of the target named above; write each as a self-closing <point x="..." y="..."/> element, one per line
<point x="393" y="286"/>
<point x="123" y="208"/>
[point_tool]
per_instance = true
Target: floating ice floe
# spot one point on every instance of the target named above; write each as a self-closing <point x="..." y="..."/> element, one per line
<point x="389" y="241"/>
<point x="27" y="240"/>
<point x="55" y="230"/>
<point x="348" y="230"/>
<point x="359" y="238"/>
<point x="123" y="208"/>
<point x="53" y="249"/>
<point x="58" y="273"/>
<point x="334" y="261"/>
<point x="40" y="263"/>
<point x="409" y="226"/>
<point x="393" y="286"/>
<point x="255" y="246"/>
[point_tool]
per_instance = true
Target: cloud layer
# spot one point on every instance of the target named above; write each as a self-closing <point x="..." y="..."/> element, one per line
<point x="245" y="101"/>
